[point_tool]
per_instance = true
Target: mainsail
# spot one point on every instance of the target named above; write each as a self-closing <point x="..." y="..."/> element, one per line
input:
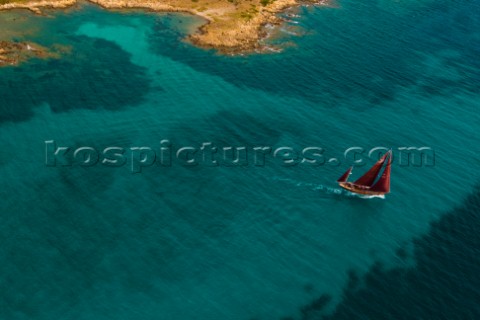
<point x="369" y="178"/>
<point x="383" y="184"/>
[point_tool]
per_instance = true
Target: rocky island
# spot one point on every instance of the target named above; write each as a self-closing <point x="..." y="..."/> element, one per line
<point x="233" y="25"/>
<point x="13" y="53"/>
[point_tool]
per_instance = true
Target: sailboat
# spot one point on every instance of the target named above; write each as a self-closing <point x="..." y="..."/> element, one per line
<point x="370" y="183"/>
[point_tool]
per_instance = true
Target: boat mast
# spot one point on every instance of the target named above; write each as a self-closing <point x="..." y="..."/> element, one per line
<point x="344" y="176"/>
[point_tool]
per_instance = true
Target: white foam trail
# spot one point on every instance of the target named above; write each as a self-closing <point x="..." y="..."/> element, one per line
<point x="370" y="197"/>
<point x="326" y="189"/>
<point x="313" y="186"/>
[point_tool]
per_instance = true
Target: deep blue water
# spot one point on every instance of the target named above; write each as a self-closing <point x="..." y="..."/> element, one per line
<point x="243" y="242"/>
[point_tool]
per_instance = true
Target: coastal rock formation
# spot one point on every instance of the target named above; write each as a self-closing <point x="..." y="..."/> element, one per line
<point x="13" y="53"/>
<point x="233" y="25"/>
<point x="35" y="5"/>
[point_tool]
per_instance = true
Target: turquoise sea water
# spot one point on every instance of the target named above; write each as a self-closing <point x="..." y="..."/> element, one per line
<point x="245" y="242"/>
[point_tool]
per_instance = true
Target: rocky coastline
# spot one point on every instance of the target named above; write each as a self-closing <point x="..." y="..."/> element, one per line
<point x="233" y="26"/>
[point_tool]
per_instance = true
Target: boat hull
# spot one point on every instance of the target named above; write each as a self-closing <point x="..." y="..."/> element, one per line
<point x="360" y="189"/>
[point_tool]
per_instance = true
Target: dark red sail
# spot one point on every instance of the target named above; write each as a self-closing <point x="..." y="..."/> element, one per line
<point x="383" y="184"/>
<point x="344" y="177"/>
<point x="369" y="178"/>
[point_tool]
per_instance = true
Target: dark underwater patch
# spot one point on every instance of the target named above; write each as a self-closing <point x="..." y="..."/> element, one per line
<point x="358" y="51"/>
<point x="77" y="236"/>
<point x="97" y="74"/>
<point x="237" y="128"/>
<point x="443" y="284"/>
<point x="83" y="245"/>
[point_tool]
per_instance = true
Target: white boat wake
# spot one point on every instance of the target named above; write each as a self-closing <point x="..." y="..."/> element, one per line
<point x="362" y="196"/>
<point x="326" y="189"/>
